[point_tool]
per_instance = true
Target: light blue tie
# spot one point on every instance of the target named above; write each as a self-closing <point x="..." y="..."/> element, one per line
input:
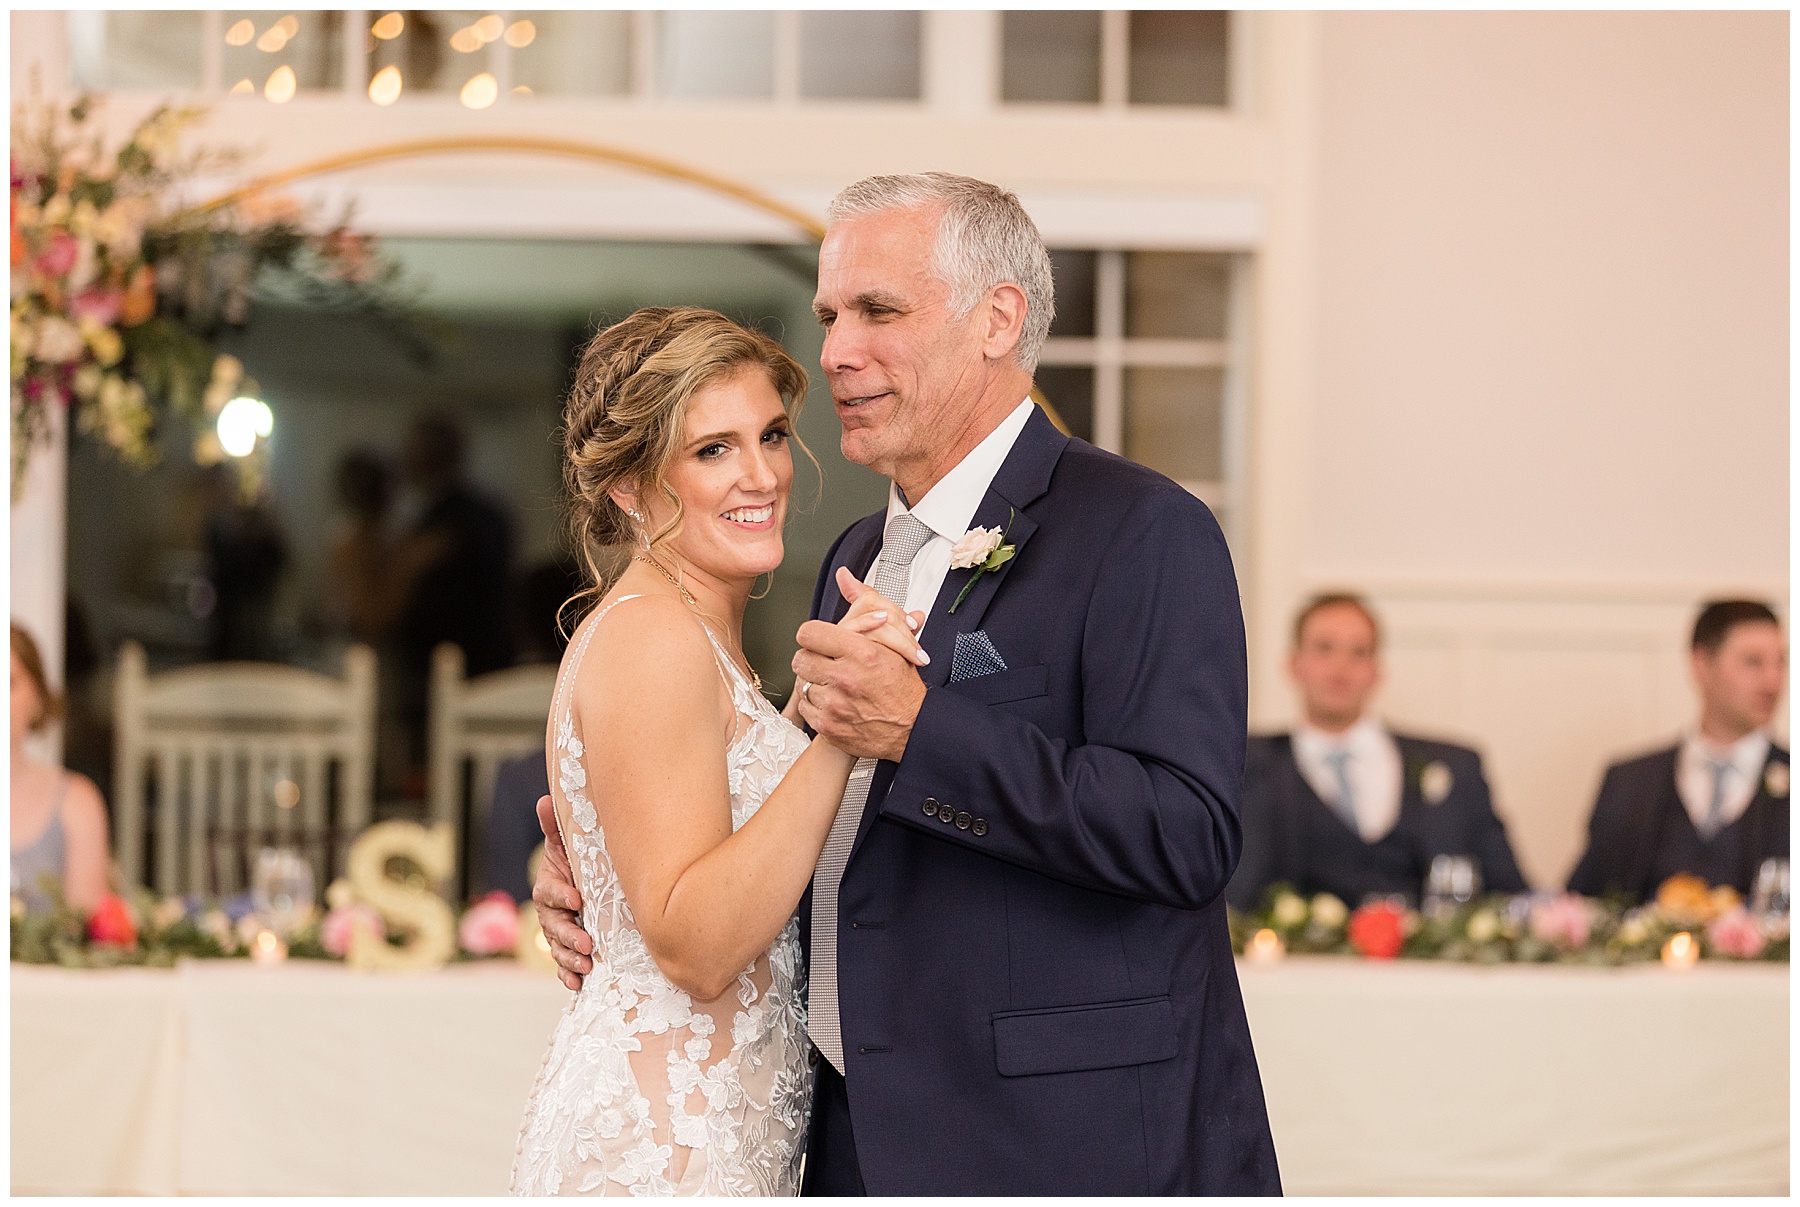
<point x="1715" y="810"/>
<point x="1345" y="803"/>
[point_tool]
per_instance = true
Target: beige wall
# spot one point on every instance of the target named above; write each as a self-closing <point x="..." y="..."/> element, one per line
<point x="1549" y="386"/>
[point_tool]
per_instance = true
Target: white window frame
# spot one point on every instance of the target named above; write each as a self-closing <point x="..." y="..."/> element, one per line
<point x="1109" y="352"/>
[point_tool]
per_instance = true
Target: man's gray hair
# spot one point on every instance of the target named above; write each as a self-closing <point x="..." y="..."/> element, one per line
<point x="984" y="238"/>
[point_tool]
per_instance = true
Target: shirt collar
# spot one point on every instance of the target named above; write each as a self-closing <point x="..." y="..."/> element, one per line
<point x="949" y="507"/>
<point x="1364" y="735"/>
<point x="1746" y="755"/>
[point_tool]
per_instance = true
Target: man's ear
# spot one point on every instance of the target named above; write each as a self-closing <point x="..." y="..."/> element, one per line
<point x="1003" y="320"/>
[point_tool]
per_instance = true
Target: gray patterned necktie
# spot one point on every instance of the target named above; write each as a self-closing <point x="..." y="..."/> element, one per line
<point x="1715" y="809"/>
<point x="1345" y="804"/>
<point x="905" y="536"/>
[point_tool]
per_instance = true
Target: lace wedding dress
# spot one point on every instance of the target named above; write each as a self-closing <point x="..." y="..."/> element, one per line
<point x="644" y="1090"/>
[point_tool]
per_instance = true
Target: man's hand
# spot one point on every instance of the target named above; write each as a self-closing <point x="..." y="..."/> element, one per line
<point x="854" y="690"/>
<point x="558" y="903"/>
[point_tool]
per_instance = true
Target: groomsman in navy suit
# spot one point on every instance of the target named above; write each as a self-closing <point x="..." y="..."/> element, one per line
<point x="1345" y="805"/>
<point x="1715" y="804"/>
<point x="1020" y="972"/>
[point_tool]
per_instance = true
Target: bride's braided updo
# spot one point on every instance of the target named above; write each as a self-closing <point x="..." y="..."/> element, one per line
<point x="626" y="418"/>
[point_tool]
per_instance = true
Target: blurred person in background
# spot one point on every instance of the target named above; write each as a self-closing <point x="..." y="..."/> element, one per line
<point x="1715" y="805"/>
<point x="58" y="817"/>
<point x="246" y="551"/>
<point x="512" y="834"/>
<point x="1345" y="805"/>
<point x="461" y="590"/>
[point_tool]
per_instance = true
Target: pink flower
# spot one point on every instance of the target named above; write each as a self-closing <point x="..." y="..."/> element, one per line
<point x="491" y="927"/>
<point x="1736" y="934"/>
<point x="334" y="932"/>
<point x="101" y="304"/>
<point x="59" y="257"/>
<point x="1561" y="921"/>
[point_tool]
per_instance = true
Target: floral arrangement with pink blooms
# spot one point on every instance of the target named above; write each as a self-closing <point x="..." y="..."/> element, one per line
<point x="490" y="927"/>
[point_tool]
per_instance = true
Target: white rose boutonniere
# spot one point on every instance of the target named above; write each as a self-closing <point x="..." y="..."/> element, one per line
<point x="1775" y="780"/>
<point x="1435" y="782"/>
<point x="980" y="550"/>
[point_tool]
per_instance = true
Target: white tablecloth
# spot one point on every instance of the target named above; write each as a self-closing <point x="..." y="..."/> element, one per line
<point x="1399" y="1078"/>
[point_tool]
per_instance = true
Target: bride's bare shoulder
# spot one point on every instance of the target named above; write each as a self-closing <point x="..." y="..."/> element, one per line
<point x="646" y="644"/>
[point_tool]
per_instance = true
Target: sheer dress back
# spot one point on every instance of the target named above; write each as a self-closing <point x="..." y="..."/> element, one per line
<point x="644" y="1090"/>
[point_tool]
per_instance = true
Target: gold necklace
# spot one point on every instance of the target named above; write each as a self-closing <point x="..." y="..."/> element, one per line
<point x="688" y="598"/>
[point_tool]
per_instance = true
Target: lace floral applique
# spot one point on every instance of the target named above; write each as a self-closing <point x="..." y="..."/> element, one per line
<point x="638" y="1092"/>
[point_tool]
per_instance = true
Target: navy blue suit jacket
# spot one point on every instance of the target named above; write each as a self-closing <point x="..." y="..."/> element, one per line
<point x="1291" y="835"/>
<point x="1640" y="834"/>
<point x="1035" y="978"/>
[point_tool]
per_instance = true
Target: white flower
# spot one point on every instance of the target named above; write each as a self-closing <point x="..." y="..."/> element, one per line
<point x="58" y="340"/>
<point x="1483" y="926"/>
<point x="1288" y="911"/>
<point x="1775" y="780"/>
<point x="974" y="547"/>
<point x="1329" y="911"/>
<point x="1435" y="782"/>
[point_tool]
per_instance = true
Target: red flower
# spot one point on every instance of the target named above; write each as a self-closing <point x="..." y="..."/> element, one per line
<point x="1378" y="930"/>
<point x="111" y="923"/>
<point x="59" y="257"/>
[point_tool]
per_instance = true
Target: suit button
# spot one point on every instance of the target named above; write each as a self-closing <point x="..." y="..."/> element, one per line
<point x="945" y="814"/>
<point x="963" y="820"/>
<point x="930" y="806"/>
<point x="979" y="828"/>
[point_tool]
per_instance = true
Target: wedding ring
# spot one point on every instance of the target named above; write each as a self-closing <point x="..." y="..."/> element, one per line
<point x="803" y="686"/>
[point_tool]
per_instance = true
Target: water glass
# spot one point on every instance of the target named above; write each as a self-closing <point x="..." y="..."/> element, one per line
<point x="281" y="890"/>
<point x="1453" y="881"/>
<point x="1770" y="901"/>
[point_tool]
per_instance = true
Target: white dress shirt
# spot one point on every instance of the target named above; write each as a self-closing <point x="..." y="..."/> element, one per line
<point x="948" y="509"/>
<point x="1744" y="761"/>
<point x="1373" y="770"/>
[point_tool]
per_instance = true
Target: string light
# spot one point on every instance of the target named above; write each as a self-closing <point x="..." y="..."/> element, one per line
<point x="281" y="85"/>
<point x="274" y="39"/>
<point x="241" y="33"/>
<point x="519" y="90"/>
<point x="289" y="26"/>
<point x="520" y="34"/>
<point x="465" y="40"/>
<point x="384" y="89"/>
<point x="240" y="423"/>
<point x="243" y="88"/>
<point x="389" y="27"/>
<point x="489" y="28"/>
<point x="481" y="91"/>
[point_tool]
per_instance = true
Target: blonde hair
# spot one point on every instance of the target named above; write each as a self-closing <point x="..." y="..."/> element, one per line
<point x="626" y="418"/>
<point x="25" y="649"/>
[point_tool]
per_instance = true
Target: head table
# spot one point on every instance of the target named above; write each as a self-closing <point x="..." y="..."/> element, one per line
<point x="1407" y="1077"/>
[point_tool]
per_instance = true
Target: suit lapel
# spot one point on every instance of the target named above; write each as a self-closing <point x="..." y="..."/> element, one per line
<point x="858" y="553"/>
<point x="1022" y="480"/>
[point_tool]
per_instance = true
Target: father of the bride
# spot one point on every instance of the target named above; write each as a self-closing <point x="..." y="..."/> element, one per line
<point x="1020" y="976"/>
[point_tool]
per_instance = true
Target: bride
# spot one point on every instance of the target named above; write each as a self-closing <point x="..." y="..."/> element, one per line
<point x="692" y="813"/>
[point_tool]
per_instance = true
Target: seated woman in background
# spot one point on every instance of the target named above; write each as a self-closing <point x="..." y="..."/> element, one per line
<point x="58" y="818"/>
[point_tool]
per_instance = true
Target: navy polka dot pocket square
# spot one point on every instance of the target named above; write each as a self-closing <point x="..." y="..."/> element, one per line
<point x="975" y="656"/>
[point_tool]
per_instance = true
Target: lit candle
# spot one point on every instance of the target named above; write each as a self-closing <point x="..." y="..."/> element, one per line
<point x="267" y="948"/>
<point x="1264" y="947"/>
<point x="1681" y="951"/>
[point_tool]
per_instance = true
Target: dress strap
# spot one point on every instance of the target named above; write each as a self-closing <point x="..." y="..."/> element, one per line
<point x="580" y="648"/>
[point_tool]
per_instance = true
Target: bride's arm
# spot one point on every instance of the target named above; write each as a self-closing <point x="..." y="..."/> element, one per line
<point x="654" y="722"/>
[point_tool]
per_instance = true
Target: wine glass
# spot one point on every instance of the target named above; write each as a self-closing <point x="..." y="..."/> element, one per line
<point x="1452" y="881"/>
<point x="1771" y="899"/>
<point x="281" y="889"/>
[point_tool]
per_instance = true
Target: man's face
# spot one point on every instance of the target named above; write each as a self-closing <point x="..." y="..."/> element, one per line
<point x="1740" y="684"/>
<point x="1335" y="665"/>
<point x="894" y="357"/>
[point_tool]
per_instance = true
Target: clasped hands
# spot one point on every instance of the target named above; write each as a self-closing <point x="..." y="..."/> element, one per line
<point x="856" y="684"/>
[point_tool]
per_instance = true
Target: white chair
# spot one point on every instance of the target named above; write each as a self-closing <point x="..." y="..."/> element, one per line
<point x="477" y="724"/>
<point x="219" y="740"/>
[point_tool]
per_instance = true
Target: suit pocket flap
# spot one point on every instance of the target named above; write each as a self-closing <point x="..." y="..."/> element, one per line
<point x="1108" y="1035"/>
<point x="1017" y="684"/>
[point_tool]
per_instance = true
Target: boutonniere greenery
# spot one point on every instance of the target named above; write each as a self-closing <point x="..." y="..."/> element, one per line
<point x="981" y="550"/>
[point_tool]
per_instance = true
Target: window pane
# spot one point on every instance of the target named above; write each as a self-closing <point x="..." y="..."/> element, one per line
<point x="1070" y="389"/>
<point x="716" y="54"/>
<point x="1178" y="57"/>
<point x="1074" y="271"/>
<point x="436" y="51"/>
<point x="134" y="49"/>
<point x="859" y="55"/>
<point x="259" y="43"/>
<point x="1174" y="422"/>
<point x="1050" y="56"/>
<point x="571" y="52"/>
<point x="1176" y="294"/>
